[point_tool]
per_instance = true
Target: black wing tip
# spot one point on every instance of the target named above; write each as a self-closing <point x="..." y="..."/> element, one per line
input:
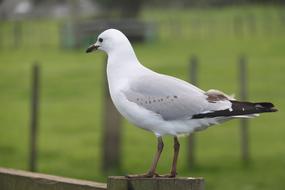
<point x="266" y="106"/>
<point x="239" y="108"/>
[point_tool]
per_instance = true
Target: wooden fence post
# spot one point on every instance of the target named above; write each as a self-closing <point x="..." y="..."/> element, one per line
<point x="178" y="183"/>
<point x="244" y="122"/>
<point x="34" y="117"/>
<point x="191" y="138"/>
<point x="111" y="131"/>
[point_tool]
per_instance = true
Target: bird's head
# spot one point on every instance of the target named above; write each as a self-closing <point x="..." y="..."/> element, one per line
<point x="109" y="40"/>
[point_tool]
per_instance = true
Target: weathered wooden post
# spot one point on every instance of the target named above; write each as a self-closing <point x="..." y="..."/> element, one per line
<point x="244" y="122"/>
<point x="34" y="117"/>
<point x="178" y="183"/>
<point x="191" y="139"/>
<point x="111" y="131"/>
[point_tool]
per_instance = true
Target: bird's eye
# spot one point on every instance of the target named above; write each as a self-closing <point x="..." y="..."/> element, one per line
<point x="100" y="40"/>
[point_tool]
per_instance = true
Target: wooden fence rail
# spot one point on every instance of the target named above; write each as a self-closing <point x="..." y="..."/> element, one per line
<point x="11" y="179"/>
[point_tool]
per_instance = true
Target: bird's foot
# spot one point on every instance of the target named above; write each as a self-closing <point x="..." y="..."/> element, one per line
<point x="170" y="175"/>
<point x="146" y="175"/>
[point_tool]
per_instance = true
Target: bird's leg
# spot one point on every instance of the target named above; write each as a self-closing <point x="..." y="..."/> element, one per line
<point x="175" y="157"/>
<point x="151" y="172"/>
<point x="157" y="156"/>
<point x="176" y="147"/>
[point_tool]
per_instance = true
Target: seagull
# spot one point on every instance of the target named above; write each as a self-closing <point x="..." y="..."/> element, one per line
<point x="163" y="104"/>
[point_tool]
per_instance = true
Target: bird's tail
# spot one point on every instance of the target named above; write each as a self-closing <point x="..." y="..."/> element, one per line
<point x="240" y="109"/>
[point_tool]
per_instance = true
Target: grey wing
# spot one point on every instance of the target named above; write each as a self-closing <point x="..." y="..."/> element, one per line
<point x="167" y="96"/>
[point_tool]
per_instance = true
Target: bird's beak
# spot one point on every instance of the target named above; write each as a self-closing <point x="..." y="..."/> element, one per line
<point x="91" y="48"/>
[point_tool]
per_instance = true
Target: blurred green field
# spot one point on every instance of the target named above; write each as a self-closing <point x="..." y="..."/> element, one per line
<point x="72" y="92"/>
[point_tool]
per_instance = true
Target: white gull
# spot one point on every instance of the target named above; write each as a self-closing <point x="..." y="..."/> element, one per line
<point x="163" y="104"/>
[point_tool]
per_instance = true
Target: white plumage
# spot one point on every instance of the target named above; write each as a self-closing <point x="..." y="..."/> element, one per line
<point x="152" y="101"/>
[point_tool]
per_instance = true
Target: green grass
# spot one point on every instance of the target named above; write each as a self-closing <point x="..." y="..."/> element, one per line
<point x="72" y="94"/>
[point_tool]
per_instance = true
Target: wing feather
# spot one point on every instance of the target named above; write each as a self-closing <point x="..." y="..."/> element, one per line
<point x="169" y="97"/>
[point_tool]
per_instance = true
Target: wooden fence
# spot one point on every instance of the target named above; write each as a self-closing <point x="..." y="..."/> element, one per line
<point x="11" y="179"/>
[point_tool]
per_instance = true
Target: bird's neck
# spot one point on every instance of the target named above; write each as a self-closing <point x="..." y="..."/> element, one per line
<point x="122" y="59"/>
<point x="122" y="66"/>
<point x="124" y="52"/>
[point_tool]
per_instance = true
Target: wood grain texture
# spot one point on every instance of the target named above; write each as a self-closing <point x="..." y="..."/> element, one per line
<point x="11" y="179"/>
<point x="180" y="183"/>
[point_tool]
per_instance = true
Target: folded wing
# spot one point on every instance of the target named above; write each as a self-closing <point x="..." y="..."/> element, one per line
<point x="173" y="99"/>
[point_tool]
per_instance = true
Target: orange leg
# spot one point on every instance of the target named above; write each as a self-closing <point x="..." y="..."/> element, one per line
<point x="151" y="173"/>
<point x="173" y="172"/>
